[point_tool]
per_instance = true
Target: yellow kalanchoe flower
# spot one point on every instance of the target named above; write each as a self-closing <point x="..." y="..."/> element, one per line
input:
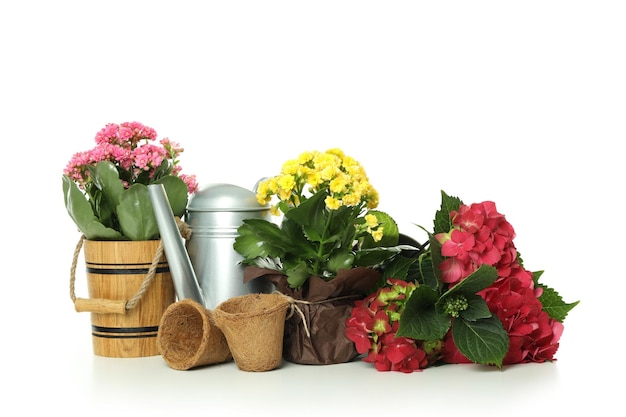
<point x="332" y="203"/>
<point x="305" y="157"/>
<point x="371" y="220"/>
<point x="351" y="199"/>
<point x="339" y="183"/>
<point x="314" y="178"/>
<point x="263" y="194"/>
<point x="372" y="199"/>
<point x="286" y="184"/>
<point x="377" y="234"/>
<point x="291" y="167"/>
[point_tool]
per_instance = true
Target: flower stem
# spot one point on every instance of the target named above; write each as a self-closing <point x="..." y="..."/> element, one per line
<point x="320" y="249"/>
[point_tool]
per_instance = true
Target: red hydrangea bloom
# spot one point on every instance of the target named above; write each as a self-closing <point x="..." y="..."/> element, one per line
<point x="372" y="327"/>
<point x="533" y="335"/>
<point x="399" y="354"/>
<point x="480" y="235"/>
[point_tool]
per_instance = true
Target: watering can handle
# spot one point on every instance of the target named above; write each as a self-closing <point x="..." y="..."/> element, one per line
<point x="256" y="186"/>
<point x="100" y="305"/>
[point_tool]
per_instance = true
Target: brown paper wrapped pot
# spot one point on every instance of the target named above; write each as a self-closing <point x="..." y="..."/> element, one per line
<point x="320" y="338"/>
<point x="188" y="337"/>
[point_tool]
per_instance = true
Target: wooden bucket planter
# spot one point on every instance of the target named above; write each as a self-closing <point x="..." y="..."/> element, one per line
<point x="126" y="307"/>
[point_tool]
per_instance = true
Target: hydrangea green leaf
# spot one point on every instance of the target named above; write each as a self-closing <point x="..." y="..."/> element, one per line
<point x="554" y="305"/>
<point x="478" y="280"/>
<point x="442" y="221"/>
<point x="477" y="309"/>
<point x="420" y="320"/>
<point x="482" y="341"/>
<point x="426" y="273"/>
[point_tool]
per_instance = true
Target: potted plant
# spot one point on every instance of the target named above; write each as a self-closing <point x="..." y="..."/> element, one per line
<point x="329" y="247"/>
<point x="106" y="195"/>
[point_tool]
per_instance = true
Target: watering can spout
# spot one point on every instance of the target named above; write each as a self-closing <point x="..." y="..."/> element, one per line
<point x="185" y="282"/>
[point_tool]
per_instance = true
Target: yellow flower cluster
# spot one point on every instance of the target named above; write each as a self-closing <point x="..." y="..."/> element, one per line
<point x="343" y="178"/>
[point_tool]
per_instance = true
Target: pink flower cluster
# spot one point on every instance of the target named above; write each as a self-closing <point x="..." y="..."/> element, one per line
<point x="373" y="324"/>
<point x="129" y="147"/>
<point x="481" y="235"/>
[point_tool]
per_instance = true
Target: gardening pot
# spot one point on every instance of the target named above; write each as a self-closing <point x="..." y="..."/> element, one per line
<point x="125" y="312"/>
<point x="253" y="325"/>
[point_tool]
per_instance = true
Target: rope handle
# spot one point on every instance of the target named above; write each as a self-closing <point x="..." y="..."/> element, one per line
<point x="103" y="305"/>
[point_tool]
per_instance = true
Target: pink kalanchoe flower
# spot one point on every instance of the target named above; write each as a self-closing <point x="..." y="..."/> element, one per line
<point x="120" y="145"/>
<point x="190" y="180"/>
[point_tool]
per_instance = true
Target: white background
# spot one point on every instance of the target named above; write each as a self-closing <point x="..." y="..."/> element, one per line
<point x="521" y="103"/>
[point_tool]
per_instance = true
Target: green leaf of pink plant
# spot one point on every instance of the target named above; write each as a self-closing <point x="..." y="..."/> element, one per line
<point x="136" y="214"/>
<point x="82" y="214"/>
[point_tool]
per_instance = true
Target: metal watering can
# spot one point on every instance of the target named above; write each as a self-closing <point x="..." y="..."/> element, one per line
<point x="207" y="269"/>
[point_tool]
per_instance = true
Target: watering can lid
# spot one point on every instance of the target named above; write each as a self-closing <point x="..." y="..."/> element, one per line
<point x="224" y="197"/>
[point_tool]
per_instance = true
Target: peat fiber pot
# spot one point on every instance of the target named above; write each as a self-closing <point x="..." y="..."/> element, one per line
<point x="188" y="338"/>
<point x="130" y="288"/>
<point x="254" y="325"/>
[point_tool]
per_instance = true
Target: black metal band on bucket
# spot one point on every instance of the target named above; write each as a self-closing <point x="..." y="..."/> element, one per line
<point x="107" y="270"/>
<point x="124" y="332"/>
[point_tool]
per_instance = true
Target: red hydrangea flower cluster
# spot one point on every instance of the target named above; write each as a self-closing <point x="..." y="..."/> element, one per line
<point x="129" y="146"/>
<point x="481" y="235"/>
<point x="373" y="324"/>
<point x="533" y="335"/>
